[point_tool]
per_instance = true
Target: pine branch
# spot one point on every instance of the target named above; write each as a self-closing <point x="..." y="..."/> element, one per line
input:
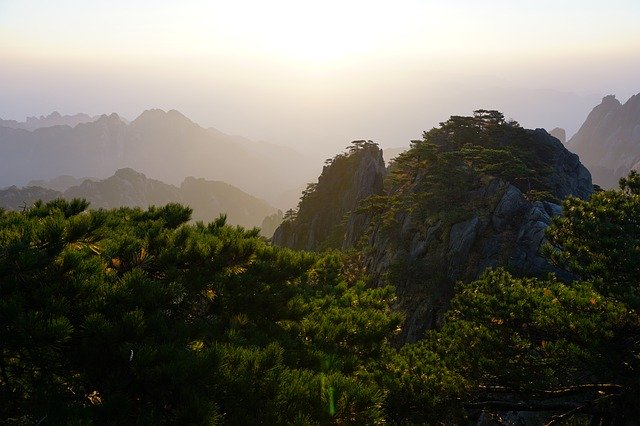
<point x="501" y="405"/>
<point x="571" y="390"/>
<point x="589" y="404"/>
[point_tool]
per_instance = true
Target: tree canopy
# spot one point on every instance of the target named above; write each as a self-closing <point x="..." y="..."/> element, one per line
<point x="132" y="316"/>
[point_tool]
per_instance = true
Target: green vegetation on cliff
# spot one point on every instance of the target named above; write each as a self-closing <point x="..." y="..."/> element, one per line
<point x="326" y="216"/>
<point x="433" y="179"/>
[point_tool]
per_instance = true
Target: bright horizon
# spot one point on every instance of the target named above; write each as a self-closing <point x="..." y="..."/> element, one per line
<point x="316" y="75"/>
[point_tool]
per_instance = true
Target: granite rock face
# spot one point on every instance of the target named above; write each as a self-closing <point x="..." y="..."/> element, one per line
<point x="508" y="230"/>
<point x="431" y="227"/>
<point x="567" y="175"/>
<point x="500" y="226"/>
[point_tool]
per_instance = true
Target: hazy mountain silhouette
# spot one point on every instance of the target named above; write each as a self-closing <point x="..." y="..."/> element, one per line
<point x="560" y="134"/>
<point x="14" y="198"/>
<point x="129" y="188"/>
<point x="608" y="142"/>
<point x="53" y="119"/>
<point x="167" y="145"/>
<point x="59" y="183"/>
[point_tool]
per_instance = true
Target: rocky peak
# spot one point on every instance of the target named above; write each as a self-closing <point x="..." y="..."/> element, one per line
<point x="129" y="174"/>
<point x="610" y="101"/>
<point x="566" y="174"/>
<point x="459" y="214"/>
<point x="53" y="119"/>
<point x="326" y="216"/>
<point x="477" y="192"/>
<point x="150" y="114"/>
<point x="560" y="134"/>
<point x="112" y="119"/>
<point x="177" y="116"/>
<point x="608" y="142"/>
<point x="157" y="115"/>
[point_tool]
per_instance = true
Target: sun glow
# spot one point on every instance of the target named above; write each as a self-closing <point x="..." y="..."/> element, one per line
<point x="314" y="34"/>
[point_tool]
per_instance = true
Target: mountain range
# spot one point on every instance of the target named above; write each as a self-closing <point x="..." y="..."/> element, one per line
<point x="53" y="119"/>
<point x="129" y="188"/>
<point x="166" y="145"/>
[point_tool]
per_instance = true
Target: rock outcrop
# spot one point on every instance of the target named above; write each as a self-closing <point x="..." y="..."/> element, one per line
<point x="456" y="232"/>
<point x="476" y="193"/>
<point x="608" y="142"/>
<point x="424" y="260"/>
<point x="567" y="175"/>
<point x="327" y="215"/>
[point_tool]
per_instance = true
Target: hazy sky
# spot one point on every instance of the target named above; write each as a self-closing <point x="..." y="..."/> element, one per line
<point x="318" y="74"/>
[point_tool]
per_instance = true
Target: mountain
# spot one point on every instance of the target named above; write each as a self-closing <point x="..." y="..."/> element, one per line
<point x="476" y="192"/>
<point x="59" y="183"/>
<point x="14" y="198"/>
<point x="560" y="134"/>
<point x="53" y="119"/>
<point x="158" y="143"/>
<point x="126" y="188"/>
<point x="211" y="198"/>
<point x="608" y="142"/>
<point x="129" y="188"/>
<point x="327" y="209"/>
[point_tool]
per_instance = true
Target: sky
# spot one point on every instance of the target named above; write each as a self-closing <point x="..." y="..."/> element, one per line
<point x="316" y="75"/>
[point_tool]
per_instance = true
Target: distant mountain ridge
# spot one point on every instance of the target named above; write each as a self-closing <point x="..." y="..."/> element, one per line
<point x="608" y="142"/>
<point x="164" y="144"/>
<point x="53" y="119"/>
<point x="129" y="188"/>
<point x="59" y="183"/>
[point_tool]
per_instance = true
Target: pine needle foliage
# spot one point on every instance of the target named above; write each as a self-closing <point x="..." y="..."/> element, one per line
<point x="131" y="316"/>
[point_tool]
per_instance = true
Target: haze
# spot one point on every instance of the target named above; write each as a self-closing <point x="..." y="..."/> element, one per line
<point x="316" y="75"/>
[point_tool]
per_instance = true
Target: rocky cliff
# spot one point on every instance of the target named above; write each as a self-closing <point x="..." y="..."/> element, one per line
<point x="327" y="214"/>
<point x="608" y="142"/>
<point x="476" y="192"/>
